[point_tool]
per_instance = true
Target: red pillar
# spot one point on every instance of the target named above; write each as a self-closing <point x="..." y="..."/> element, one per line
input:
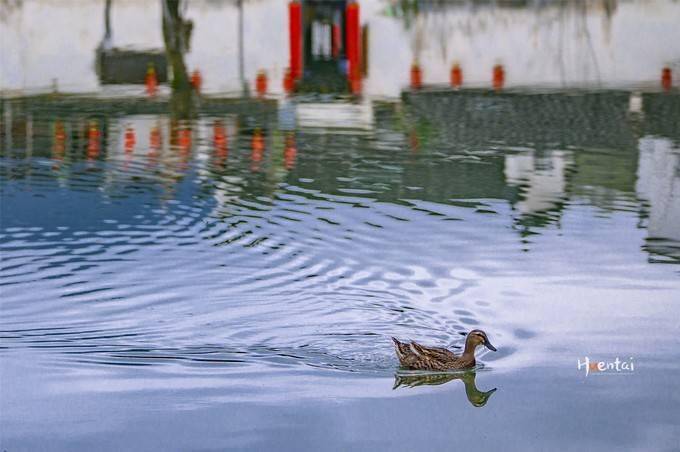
<point x="336" y="38"/>
<point x="295" y="38"/>
<point x="353" y="46"/>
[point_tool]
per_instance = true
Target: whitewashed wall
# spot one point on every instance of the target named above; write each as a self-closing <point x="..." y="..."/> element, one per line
<point x="561" y="45"/>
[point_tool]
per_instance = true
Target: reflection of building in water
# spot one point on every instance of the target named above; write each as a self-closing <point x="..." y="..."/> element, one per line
<point x="542" y="179"/>
<point x="659" y="184"/>
<point x="335" y="115"/>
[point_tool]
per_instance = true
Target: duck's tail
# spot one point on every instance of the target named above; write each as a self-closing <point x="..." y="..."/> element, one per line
<point x="397" y="344"/>
<point x="400" y="348"/>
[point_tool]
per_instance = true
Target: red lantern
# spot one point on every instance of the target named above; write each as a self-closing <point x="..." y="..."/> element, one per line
<point x="456" y="76"/>
<point x="184" y="140"/>
<point x="289" y="152"/>
<point x="155" y="139"/>
<point x="416" y="76"/>
<point x="59" y="140"/>
<point x="93" y="140"/>
<point x="151" y="81"/>
<point x="196" y="80"/>
<point x="261" y="83"/>
<point x="666" y="78"/>
<point x="498" y="77"/>
<point x="257" y="143"/>
<point x="220" y="141"/>
<point x="257" y="150"/>
<point x="288" y="82"/>
<point x="129" y="140"/>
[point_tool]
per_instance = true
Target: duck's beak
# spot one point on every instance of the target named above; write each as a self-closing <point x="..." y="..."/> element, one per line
<point x="488" y="345"/>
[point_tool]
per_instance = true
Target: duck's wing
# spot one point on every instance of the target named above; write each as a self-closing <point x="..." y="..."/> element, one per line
<point x="415" y="356"/>
<point x="407" y="356"/>
<point x="437" y="353"/>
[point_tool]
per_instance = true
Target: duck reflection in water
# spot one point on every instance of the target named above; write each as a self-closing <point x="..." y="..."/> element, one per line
<point x="474" y="395"/>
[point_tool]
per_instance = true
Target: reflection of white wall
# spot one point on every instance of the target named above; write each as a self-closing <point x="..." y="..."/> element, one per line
<point x="335" y="115"/>
<point x="659" y="183"/>
<point x="562" y="44"/>
<point x="141" y="125"/>
<point x="543" y="179"/>
<point x="126" y="164"/>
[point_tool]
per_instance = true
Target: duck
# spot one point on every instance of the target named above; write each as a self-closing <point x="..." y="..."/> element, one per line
<point x="476" y="397"/>
<point x="418" y="357"/>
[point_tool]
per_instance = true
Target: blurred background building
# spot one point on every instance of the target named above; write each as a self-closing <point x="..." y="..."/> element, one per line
<point x="607" y="43"/>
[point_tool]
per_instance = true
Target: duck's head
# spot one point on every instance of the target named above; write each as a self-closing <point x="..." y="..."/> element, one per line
<point x="476" y="338"/>
<point x="480" y="398"/>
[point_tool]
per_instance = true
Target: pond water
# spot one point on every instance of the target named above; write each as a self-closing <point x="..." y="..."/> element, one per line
<point x="225" y="272"/>
<point x="227" y="283"/>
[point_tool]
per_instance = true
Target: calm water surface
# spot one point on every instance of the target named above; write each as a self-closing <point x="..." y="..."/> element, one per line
<point x="231" y="282"/>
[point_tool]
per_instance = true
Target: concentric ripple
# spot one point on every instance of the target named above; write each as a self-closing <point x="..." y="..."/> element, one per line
<point x="310" y="248"/>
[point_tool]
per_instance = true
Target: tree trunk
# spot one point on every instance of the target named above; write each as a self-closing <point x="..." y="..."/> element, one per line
<point x="176" y="35"/>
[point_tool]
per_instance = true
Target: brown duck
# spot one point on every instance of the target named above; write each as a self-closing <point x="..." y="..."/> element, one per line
<point x="417" y="357"/>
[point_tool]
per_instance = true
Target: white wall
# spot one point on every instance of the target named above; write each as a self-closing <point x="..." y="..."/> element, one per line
<point x="562" y="45"/>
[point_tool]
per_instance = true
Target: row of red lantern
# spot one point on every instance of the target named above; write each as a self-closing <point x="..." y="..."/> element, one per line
<point x="93" y="135"/>
<point x="196" y="81"/>
<point x="257" y="147"/>
<point x="456" y="79"/>
<point x="183" y="140"/>
<point x="498" y="77"/>
<point x="456" y="76"/>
